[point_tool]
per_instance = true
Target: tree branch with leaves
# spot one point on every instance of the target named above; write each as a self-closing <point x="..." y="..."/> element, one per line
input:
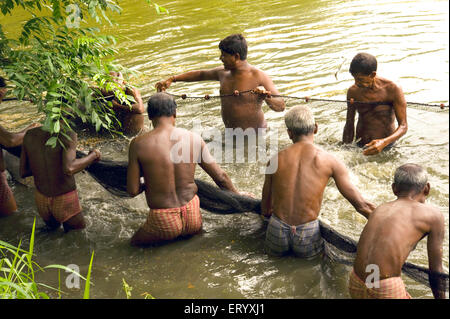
<point x="61" y="64"/>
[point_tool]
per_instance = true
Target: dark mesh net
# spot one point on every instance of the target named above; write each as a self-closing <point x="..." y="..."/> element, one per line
<point x="338" y="247"/>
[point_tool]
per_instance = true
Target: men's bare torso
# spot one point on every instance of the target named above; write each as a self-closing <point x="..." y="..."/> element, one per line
<point x="375" y="121"/>
<point x="168" y="184"/>
<point x="242" y="111"/>
<point x="392" y="232"/>
<point x="46" y="164"/>
<point x="298" y="185"/>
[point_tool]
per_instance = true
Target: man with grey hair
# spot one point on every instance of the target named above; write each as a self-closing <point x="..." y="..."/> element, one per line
<point x="292" y="196"/>
<point x="393" y="230"/>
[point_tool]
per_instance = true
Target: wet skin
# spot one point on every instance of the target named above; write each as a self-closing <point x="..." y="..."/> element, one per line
<point x="294" y="192"/>
<point x="244" y="110"/>
<point x="376" y="128"/>
<point x="393" y="231"/>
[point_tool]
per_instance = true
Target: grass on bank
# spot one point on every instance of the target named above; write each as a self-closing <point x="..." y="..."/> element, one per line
<point x="18" y="272"/>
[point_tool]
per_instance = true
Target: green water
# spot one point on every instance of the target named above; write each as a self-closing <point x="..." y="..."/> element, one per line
<point x="301" y="45"/>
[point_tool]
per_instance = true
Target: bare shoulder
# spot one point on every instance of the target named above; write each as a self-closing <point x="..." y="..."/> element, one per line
<point x="352" y="91"/>
<point x="258" y="73"/>
<point x="323" y="155"/>
<point x="390" y="85"/>
<point x="430" y="212"/>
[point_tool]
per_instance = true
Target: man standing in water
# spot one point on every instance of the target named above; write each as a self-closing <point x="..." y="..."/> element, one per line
<point x="53" y="170"/>
<point x="392" y="232"/>
<point x="169" y="184"/>
<point x="236" y="75"/>
<point x="7" y="202"/>
<point x="292" y="196"/>
<point x="379" y="102"/>
<point x="130" y="117"/>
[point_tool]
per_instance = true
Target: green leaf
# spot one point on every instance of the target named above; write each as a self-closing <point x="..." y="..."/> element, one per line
<point x="56" y="127"/>
<point x="52" y="141"/>
<point x="88" y="279"/>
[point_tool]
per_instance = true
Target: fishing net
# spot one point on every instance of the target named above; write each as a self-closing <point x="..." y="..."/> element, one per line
<point x="183" y="99"/>
<point x="338" y="247"/>
<point x="112" y="176"/>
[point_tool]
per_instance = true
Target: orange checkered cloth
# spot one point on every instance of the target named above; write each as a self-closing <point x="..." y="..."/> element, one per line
<point x="169" y="223"/>
<point x="5" y="190"/>
<point x="390" y="288"/>
<point x="62" y="207"/>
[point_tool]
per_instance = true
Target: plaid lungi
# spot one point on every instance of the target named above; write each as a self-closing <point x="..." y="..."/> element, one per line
<point x="61" y="207"/>
<point x="5" y="191"/>
<point x="304" y="240"/>
<point x="390" y="288"/>
<point x="169" y="223"/>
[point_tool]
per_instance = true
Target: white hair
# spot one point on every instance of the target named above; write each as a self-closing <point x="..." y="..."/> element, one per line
<point x="300" y="120"/>
<point x="410" y="177"/>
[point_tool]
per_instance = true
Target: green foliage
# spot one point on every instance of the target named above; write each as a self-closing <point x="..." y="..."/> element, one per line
<point x="18" y="270"/>
<point x="61" y="65"/>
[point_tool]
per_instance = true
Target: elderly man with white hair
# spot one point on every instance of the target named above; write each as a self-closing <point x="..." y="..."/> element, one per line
<point x="292" y="196"/>
<point x="392" y="232"/>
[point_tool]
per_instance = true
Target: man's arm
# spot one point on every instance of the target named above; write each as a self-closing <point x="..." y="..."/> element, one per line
<point x="399" y="103"/>
<point x="24" y="169"/>
<point x="266" y="200"/>
<point x="137" y="107"/>
<point x="434" y="248"/>
<point x="349" y="128"/>
<point x="349" y="191"/>
<point x="71" y="164"/>
<point x="191" y="76"/>
<point x="134" y="185"/>
<point x="209" y="165"/>
<point x="275" y="103"/>
<point x="8" y="139"/>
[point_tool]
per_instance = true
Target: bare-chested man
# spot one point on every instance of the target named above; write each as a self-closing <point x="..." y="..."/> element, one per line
<point x="292" y="196"/>
<point x="167" y="157"/>
<point x="131" y="118"/>
<point x="392" y="232"/>
<point x="236" y="74"/>
<point x="385" y="103"/>
<point x="53" y="170"/>
<point x="8" y="204"/>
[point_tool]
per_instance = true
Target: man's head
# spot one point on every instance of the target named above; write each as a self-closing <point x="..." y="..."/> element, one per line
<point x="300" y="122"/>
<point x="161" y="105"/>
<point x="233" y="47"/>
<point x="364" y="69"/>
<point x="410" y="179"/>
<point x="117" y="77"/>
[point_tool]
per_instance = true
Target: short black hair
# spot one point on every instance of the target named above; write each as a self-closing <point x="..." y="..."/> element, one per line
<point x="161" y="104"/>
<point x="2" y="82"/>
<point x="233" y="44"/>
<point x="363" y="63"/>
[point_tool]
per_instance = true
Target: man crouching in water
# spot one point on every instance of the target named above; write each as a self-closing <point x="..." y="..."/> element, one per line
<point x="292" y="196"/>
<point x="53" y="170"/>
<point x="392" y="232"/>
<point x="169" y="184"/>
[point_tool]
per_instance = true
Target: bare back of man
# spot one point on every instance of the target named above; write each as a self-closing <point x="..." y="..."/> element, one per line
<point x="293" y="195"/>
<point x="168" y="184"/>
<point x="167" y="158"/>
<point x="298" y="185"/>
<point x="392" y="232"/>
<point x="53" y="170"/>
